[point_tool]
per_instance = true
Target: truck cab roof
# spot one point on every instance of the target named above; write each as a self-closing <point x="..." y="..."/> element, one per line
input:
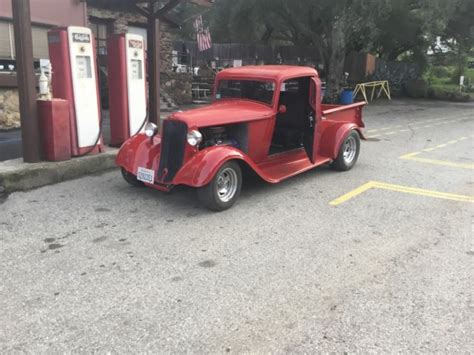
<point x="267" y="72"/>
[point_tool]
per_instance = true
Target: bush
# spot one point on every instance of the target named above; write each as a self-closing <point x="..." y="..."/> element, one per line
<point x="440" y="72"/>
<point x="417" y="89"/>
<point x="436" y="93"/>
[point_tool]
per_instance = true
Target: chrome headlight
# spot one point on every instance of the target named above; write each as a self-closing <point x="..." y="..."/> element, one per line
<point x="194" y="138"/>
<point x="151" y="129"/>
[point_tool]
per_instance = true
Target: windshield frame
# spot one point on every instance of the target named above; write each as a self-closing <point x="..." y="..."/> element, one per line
<point x="273" y="81"/>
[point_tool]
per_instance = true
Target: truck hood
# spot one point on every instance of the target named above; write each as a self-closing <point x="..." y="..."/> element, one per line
<point x="224" y="113"/>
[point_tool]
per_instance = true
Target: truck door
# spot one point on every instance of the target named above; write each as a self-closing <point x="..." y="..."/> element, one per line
<point x="309" y="138"/>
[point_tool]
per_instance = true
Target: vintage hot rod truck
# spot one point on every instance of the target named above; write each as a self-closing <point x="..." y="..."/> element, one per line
<point x="266" y="118"/>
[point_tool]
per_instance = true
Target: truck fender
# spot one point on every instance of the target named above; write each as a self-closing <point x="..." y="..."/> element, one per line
<point x="334" y="136"/>
<point x="201" y="169"/>
<point x="137" y="151"/>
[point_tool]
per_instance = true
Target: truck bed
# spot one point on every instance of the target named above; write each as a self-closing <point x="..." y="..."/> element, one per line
<point x="344" y="113"/>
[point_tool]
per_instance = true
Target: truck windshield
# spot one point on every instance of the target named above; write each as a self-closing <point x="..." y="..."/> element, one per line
<point x="261" y="91"/>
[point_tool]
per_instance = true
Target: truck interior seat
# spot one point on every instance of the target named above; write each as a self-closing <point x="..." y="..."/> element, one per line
<point x="290" y="126"/>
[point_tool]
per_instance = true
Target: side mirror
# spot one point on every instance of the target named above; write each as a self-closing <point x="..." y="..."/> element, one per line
<point x="282" y="109"/>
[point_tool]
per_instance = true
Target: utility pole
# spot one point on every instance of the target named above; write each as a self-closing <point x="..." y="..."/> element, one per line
<point x="26" y="81"/>
<point x="153" y="51"/>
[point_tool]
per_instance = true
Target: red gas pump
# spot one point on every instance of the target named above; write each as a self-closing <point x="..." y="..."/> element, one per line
<point x="127" y="86"/>
<point x="72" y="55"/>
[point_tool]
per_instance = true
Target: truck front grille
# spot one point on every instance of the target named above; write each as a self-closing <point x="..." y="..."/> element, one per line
<point x="173" y="146"/>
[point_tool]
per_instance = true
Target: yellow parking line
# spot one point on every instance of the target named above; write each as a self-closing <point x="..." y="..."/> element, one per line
<point x="416" y="126"/>
<point x="423" y="192"/>
<point x="413" y="156"/>
<point x="352" y="194"/>
<point x="383" y="129"/>
<point x="400" y="126"/>
<point x="410" y="155"/>
<point x="403" y="189"/>
<point x="442" y="162"/>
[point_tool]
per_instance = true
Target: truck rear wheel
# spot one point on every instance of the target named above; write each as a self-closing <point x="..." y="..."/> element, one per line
<point x="348" y="154"/>
<point x="224" y="189"/>
<point x="131" y="179"/>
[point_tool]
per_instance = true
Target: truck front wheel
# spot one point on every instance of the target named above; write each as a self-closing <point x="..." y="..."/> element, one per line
<point x="224" y="189"/>
<point x="131" y="179"/>
<point x="348" y="154"/>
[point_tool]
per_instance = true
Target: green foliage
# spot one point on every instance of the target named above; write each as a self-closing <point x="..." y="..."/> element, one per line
<point x="459" y="34"/>
<point x="411" y="27"/>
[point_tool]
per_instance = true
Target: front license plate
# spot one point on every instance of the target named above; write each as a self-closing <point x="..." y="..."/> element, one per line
<point x="146" y="175"/>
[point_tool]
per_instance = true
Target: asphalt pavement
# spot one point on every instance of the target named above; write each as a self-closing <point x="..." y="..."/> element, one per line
<point x="377" y="259"/>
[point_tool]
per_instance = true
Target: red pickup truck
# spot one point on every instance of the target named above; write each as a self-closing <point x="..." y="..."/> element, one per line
<point x="266" y="118"/>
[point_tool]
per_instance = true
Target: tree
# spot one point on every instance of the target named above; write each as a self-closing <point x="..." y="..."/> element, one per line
<point x="327" y="25"/>
<point x="410" y="27"/>
<point x="459" y="34"/>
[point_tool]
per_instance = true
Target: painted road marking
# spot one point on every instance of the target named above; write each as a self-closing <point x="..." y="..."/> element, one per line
<point x="413" y="126"/>
<point x="400" y="126"/>
<point x="415" y="156"/>
<point x="448" y="163"/>
<point x="403" y="189"/>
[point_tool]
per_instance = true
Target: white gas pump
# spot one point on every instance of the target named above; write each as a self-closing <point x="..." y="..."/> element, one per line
<point x="127" y="86"/>
<point x="72" y="55"/>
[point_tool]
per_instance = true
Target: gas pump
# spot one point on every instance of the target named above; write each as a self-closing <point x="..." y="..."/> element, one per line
<point x="127" y="86"/>
<point x="72" y="55"/>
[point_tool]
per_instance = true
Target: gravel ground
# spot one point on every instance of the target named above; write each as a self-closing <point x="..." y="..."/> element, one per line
<point x="94" y="265"/>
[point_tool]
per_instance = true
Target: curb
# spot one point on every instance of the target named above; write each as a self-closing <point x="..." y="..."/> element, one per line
<point x="15" y="175"/>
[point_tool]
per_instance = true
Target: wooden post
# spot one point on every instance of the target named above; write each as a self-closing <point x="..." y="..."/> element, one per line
<point x="26" y="81"/>
<point x="153" y="50"/>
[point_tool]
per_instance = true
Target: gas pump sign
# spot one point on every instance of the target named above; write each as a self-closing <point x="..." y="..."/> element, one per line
<point x="81" y="37"/>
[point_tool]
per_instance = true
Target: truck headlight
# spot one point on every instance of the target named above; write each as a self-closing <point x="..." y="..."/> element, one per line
<point x="151" y="129"/>
<point x="194" y="138"/>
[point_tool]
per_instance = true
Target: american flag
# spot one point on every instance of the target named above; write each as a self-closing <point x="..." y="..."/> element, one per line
<point x="203" y="35"/>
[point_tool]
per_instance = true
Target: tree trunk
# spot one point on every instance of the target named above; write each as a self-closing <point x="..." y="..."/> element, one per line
<point x="335" y="62"/>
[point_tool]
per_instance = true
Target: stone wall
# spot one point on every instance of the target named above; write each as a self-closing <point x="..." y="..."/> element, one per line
<point x="398" y="74"/>
<point x="9" y="109"/>
<point x="122" y="19"/>
<point x="178" y="86"/>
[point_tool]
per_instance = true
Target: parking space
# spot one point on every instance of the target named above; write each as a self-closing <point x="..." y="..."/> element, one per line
<point x="377" y="259"/>
<point x="455" y="153"/>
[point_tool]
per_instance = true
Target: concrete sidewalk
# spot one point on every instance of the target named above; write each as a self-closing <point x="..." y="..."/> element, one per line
<point x="15" y="175"/>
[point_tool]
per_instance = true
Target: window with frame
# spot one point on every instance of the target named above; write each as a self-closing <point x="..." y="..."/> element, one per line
<point x="100" y="30"/>
<point x="254" y="90"/>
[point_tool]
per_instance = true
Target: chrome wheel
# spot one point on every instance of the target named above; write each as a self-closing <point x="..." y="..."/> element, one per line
<point x="350" y="150"/>
<point x="227" y="184"/>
